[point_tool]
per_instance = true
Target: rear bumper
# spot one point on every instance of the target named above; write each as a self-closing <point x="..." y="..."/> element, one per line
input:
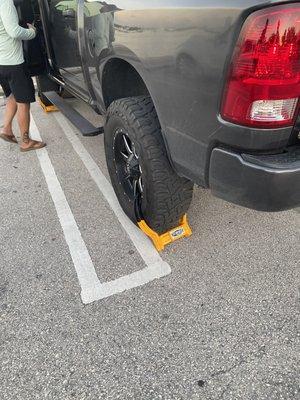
<point x="264" y="183"/>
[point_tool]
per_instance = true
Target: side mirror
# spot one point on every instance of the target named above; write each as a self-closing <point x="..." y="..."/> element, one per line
<point x="70" y="13"/>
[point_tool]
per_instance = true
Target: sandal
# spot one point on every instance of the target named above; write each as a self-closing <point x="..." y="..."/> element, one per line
<point x="8" y="138"/>
<point x="33" y="144"/>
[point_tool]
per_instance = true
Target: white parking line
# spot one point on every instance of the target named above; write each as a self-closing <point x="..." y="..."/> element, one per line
<point x="78" y="250"/>
<point x="91" y="288"/>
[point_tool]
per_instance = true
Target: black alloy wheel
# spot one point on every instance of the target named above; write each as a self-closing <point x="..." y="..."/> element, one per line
<point x="128" y="168"/>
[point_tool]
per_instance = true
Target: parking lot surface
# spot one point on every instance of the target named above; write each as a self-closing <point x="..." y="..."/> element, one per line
<point x="215" y="316"/>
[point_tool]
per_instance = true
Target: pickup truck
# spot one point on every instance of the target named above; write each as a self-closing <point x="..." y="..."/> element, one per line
<point x="199" y="92"/>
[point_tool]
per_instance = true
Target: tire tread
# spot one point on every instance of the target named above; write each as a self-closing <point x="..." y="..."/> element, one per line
<point x="172" y="194"/>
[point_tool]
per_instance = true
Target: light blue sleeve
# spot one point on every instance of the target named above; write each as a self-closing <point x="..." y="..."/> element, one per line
<point x="10" y="21"/>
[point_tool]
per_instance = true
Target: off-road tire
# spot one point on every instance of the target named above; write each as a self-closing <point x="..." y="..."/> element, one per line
<point x="166" y="197"/>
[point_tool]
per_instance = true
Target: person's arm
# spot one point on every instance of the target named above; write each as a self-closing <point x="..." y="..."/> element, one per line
<point x="10" y="21"/>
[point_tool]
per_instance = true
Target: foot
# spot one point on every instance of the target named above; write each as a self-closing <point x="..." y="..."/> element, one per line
<point x="30" y="144"/>
<point x="8" y="137"/>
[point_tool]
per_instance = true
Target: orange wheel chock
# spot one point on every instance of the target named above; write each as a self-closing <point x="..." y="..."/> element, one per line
<point x="47" y="109"/>
<point x="161" y="241"/>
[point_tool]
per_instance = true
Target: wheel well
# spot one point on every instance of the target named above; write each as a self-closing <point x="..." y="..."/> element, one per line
<point x="120" y="80"/>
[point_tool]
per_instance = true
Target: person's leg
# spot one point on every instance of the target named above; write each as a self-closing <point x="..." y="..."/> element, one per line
<point x="6" y="132"/>
<point x="9" y="114"/>
<point x="23" y="116"/>
<point x="22" y="87"/>
<point x="23" y="119"/>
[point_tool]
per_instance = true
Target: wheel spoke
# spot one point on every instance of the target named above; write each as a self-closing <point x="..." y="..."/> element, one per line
<point x="128" y="169"/>
<point x="125" y="156"/>
<point x="140" y="183"/>
<point x="128" y="148"/>
<point x="134" y="153"/>
<point x="135" y="185"/>
<point x="131" y="184"/>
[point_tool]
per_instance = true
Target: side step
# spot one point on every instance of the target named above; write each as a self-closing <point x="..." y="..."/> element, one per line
<point x="82" y="124"/>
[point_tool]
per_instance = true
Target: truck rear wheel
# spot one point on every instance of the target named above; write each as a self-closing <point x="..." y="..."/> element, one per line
<point x="138" y="165"/>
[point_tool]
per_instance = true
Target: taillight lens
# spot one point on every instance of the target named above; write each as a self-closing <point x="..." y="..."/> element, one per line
<point x="263" y="86"/>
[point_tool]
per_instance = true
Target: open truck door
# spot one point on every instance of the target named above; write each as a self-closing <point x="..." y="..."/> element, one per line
<point x="34" y="53"/>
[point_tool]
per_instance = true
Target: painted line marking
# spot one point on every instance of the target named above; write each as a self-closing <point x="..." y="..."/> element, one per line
<point x="92" y="288"/>
<point x="81" y="259"/>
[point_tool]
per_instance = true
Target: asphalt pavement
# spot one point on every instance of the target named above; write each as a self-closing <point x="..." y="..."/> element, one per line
<point x="224" y="324"/>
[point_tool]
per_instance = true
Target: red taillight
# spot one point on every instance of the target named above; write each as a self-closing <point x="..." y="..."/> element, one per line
<point x="263" y="86"/>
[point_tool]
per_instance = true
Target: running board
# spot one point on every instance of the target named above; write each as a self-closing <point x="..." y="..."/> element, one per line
<point x="81" y="123"/>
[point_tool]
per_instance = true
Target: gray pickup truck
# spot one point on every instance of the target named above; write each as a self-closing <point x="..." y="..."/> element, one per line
<point x="199" y="92"/>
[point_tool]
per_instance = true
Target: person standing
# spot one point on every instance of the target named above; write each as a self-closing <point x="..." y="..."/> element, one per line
<point x="15" y="80"/>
